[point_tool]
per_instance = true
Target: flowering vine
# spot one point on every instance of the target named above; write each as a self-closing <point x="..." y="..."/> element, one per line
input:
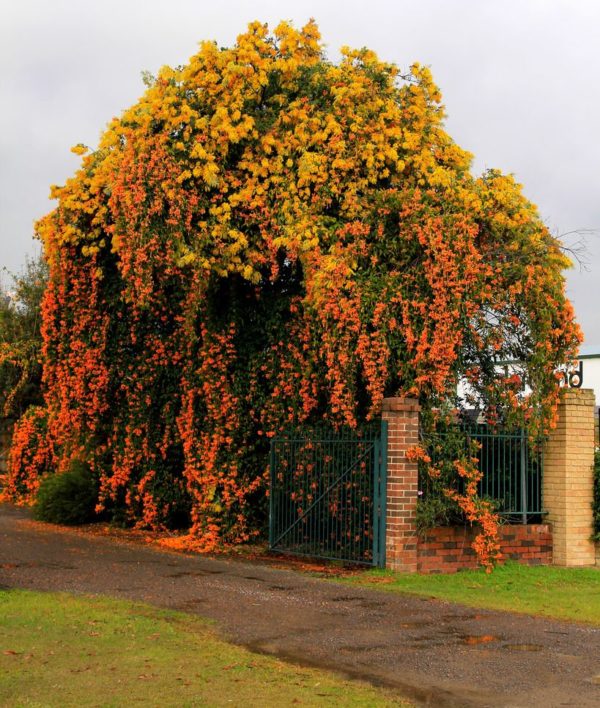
<point x="267" y="238"/>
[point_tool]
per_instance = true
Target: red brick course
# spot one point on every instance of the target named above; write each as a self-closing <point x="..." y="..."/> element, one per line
<point x="448" y="549"/>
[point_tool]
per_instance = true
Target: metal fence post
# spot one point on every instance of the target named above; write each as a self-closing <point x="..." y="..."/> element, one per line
<point x="382" y="519"/>
<point x="271" y="492"/>
<point x="524" y="457"/>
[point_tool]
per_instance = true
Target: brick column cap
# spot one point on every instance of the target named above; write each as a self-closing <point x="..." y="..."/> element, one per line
<point x="406" y="405"/>
<point x="584" y="396"/>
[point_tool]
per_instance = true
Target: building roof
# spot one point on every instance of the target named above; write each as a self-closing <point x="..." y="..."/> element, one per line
<point x="589" y="351"/>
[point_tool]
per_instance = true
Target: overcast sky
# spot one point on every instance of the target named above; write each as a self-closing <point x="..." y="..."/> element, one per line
<point x="520" y="80"/>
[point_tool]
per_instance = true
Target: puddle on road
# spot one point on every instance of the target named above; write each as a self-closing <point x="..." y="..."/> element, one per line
<point x="140" y="561"/>
<point x="350" y="649"/>
<point x="370" y="604"/>
<point x="192" y="573"/>
<point x="415" y="624"/>
<point x="190" y="604"/>
<point x="346" y="598"/>
<point x="471" y="640"/>
<point x="434" y="641"/>
<point x="47" y="566"/>
<point x="461" y="618"/>
<point x="474" y="639"/>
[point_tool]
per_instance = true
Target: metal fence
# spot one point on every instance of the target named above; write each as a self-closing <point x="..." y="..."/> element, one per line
<point x="328" y="492"/>
<point x="512" y="468"/>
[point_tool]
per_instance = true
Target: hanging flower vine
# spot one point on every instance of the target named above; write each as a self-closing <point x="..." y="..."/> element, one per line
<point x="267" y="238"/>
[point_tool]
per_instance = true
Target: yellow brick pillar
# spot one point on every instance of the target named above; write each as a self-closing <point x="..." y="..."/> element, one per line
<point x="568" y="478"/>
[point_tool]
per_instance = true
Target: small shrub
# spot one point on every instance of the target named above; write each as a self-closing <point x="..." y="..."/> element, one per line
<point x="437" y="511"/>
<point x="67" y="498"/>
<point x="596" y="502"/>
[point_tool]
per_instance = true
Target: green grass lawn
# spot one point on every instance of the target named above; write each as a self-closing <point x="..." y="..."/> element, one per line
<point x="561" y="593"/>
<point x="64" y="650"/>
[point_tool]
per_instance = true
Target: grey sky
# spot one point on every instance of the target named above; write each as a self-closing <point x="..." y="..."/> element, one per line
<point x="519" y="79"/>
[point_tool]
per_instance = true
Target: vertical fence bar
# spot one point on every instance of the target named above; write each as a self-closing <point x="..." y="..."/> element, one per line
<point x="272" y="494"/>
<point x="376" y="502"/>
<point x="523" y="477"/>
<point x="381" y="520"/>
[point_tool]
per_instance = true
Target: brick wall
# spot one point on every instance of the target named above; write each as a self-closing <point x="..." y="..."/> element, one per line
<point x="448" y="549"/>
<point x="567" y="497"/>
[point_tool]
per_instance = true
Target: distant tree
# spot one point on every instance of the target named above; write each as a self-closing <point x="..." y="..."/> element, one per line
<point x="21" y="340"/>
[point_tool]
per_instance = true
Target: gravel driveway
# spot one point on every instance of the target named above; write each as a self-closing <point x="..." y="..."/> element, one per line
<point x="434" y="652"/>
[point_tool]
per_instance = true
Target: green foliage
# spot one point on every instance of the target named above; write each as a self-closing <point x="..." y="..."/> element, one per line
<point x="445" y="443"/>
<point x="20" y="341"/>
<point x="596" y="502"/>
<point x="437" y="511"/>
<point x="68" y="498"/>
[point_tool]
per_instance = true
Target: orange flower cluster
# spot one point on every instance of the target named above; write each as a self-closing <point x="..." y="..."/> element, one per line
<point x="264" y="239"/>
<point x="486" y="543"/>
<point x="31" y="455"/>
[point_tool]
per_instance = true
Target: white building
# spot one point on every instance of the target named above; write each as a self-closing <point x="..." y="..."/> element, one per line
<point x="587" y="371"/>
<point x="584" y="374"/>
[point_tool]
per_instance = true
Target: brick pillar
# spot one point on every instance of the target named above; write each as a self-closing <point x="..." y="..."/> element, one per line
<point x="402" y="416"/>
<point x="568" y="478"/>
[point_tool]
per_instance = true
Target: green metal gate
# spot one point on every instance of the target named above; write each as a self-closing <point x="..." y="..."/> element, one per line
<point x="511" y="465"/>
<point x="328" y="493"/>
<point x="512" y="470"/>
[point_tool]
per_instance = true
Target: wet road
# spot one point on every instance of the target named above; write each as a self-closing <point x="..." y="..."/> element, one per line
<point x="433" y="652"/>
